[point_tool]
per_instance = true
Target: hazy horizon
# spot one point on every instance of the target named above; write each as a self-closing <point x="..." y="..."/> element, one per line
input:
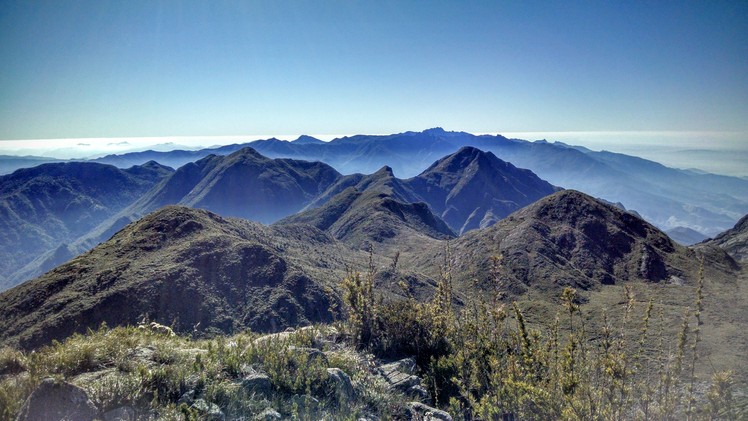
<point x="715" y="152"/>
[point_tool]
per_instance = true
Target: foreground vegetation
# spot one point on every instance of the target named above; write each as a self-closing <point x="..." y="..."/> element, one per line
<point x="485" y="362"/>
<point x="481" y="362"/>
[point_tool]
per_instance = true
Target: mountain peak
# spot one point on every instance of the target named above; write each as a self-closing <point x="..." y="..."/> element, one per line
<point x="434" y="131"/>
<point x="307" y="140"/>
<point x="471" y="151"/>
<point x="384" y="171"/>
<point x="246" y="154"/>
<point x="460" y="160"/>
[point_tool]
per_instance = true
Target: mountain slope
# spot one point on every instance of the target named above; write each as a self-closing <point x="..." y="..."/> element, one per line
<point x="468" y="189"/>
<point x="244" y="184"/>
<point x="473" y="189"/>
<point x="46" y="207"/>
<point x="571" y="239"/>
<point x="734" y="241"/>
<point x="182" y="267"/>
<point x="359" y="218"/>
<point x="249" y="185"/>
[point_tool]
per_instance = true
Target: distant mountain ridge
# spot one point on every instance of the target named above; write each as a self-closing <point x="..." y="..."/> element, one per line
<point x="664" y="196"/>
<point x="686" y="236"/>
<point x="467" y="190"/>
<point x="473" y="189"/>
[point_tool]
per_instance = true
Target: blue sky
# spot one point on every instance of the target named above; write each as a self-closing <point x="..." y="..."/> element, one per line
<point x="80" y="69"/>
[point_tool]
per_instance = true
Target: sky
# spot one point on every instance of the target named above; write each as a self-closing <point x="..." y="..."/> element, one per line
<point x="158" y="69"/>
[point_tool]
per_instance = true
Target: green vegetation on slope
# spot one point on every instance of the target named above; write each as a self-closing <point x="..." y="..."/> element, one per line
<point x="485" y="361"/>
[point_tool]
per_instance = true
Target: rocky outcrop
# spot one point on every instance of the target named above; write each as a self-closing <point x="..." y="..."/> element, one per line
<point x="734" y="241"/>
<point x="416" y="411"/>
<point x="53" y="401"/>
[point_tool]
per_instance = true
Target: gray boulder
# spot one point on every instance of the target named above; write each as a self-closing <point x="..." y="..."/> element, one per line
<point x="399" y="375"/>
<point x="208" y="411"/>
<point x="258" y="383"/>
<point x="268" y="414"/>
<point x="419" y="411"/>
<point x="53" y="401"/>
<point x="342" y="384"/>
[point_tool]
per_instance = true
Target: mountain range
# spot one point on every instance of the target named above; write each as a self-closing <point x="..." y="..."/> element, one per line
<point x="467" y="189"/>
<point x="202" y="273"/>
<point x="46" y="207"/>
<point x="179" y="247"/>
<point x="667" y="197"/>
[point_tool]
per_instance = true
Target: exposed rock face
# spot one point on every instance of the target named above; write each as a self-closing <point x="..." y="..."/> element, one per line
<point x="52" y="401"/>
<point x="734" y="241"/>
<point x="258" y="383"/>
<point x="341" y="382"/>
<point x="420" y="412"/>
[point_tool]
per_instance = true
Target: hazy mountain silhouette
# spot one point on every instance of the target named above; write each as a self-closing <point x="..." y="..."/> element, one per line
<point x="686" y="236"/>
<point x="244" y="184"/>
<point x="664" y="196"/>
<point x="10" y="163"/>
<point x="48" y="206"/>
<point x="376" y="209"/>
<point x="467" y="189"/>
<point x="473" y="189"/>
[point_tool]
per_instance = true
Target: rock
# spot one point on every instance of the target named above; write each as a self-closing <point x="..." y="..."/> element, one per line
<point x="268" y="414"/>
<point x="123" y="413"/>
<point x="52" y="401"/>
<point x="399" y="375"/>
<point x="187" y="398"/>
<point x="419" y="392"/>
<point x="419" y="411"/>
<point x="258" y="383"/>
<point x="208" y="411"/>
<point x="305" y="403"/>
<point x="342" y="383"/>
<point x="321" y="336"/>
<point x="284" y="336"/>
<point x="406" y="365"/>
